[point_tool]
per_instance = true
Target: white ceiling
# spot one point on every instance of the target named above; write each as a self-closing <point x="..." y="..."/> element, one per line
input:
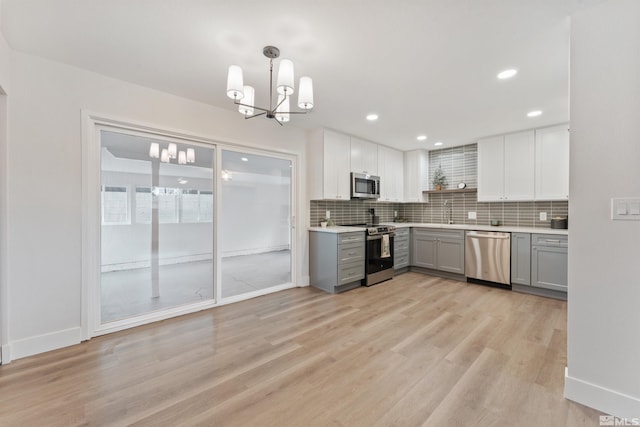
<point x="425" y="66"/>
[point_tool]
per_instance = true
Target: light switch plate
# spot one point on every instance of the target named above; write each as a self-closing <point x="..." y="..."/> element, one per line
<point x="625" y="208"/>
<point x="471" y="215"/>
<point x="543" y="216"/>
<point x="328" y="214"/>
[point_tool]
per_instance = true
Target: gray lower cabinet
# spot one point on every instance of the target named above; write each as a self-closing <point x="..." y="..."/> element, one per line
<point x="401" y="243"/>
<point x="438" y="249"/>
<point x="549" y="262"/>
<point x="521" y="258"/>
<point x="336" y="260"/>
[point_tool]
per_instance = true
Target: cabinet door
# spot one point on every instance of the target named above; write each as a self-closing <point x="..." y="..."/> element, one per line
<point x="519" y="152"/>
<point x="390" y="170"/>
<point x="395" y="168"/>
<point x="384" y="174"/>
<point x="491" y="169"/>
<point x="521" y="258"/>
<point x="552" y="163"/>
<point x="337" y="184"/>
<point x="549" y="267"/>
<point x="364" y="156"/>
<point x="450" y="255"/>
<point x="416" y="171"/>
<point x="423" y="249"/>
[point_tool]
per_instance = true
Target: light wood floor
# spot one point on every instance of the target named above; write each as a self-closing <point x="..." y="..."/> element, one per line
<point x="413" y="351"/>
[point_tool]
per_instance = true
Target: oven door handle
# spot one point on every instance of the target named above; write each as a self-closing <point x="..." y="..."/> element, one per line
<point x="379" y="236"/>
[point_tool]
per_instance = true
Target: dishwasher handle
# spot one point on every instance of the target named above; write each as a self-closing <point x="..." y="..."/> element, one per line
<point x="488" y="235"/>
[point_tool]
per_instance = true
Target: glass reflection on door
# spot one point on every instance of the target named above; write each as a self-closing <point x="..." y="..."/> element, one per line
<point x="157" y="225"/>
<point x="255" y="230"/>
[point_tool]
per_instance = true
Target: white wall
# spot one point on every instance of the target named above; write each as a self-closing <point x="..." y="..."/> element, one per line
<point x="604" y="255"/>
<point x="129" y="245"/>
<point x="45" y="188"/>
<point x="5" y="55"/>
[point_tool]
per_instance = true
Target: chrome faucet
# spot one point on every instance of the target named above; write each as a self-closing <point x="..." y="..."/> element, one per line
<point x="447" y="211"/>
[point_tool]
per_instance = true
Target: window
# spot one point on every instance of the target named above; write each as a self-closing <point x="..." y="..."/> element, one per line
<point x="115" y="205"/>
<point x="167" y="204"/>
<point x="143" y="205"/>
<point x="206" y="206"/>
<point x="189" y="206"/>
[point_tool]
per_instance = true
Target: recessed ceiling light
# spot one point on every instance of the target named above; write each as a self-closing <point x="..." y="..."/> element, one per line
<point x="439" y="143"/>
<point x="244" y="159"/>
<point x="182" y="181"/>
<point x="535" y="113"/>
<point x="421" y="137"/>
<point x="507" y="74"/>
<point x="372" y="117"/>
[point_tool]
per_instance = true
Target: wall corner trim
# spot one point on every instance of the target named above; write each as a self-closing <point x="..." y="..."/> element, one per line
<point x="608" y="401"/>
<point x="45" y="342"/>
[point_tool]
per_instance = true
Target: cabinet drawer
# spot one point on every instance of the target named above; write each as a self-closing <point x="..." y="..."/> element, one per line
<point x="549" y="240"/>
<point x="438" y="232"/>
<point x="350" y="272"/>
<point x="401" y="260"/>
<point x="350" y="253"/>
<point x="401" y="245"/>
<point x="351" y="237"/>
<point x="402" y="232"/>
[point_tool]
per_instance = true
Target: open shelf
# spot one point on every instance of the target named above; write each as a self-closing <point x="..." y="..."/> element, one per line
<point x="452" y="190"/>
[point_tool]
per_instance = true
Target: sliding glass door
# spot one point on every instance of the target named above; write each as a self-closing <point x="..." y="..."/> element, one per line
<point x="157" y="209"/>
<point x="255" y="226"/>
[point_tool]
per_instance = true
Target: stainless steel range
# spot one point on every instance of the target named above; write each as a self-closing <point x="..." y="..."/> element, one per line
<point x="379" y="254"/>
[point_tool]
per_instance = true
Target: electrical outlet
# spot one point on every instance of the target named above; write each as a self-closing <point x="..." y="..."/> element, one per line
<point x="543" y="216"/>
<point x="328" y="214"/>
<point x="471" y="215"/>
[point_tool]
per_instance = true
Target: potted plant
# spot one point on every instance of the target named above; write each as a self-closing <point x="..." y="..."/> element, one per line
<point x="438" y="178"/>
<point x="324" y="222"/>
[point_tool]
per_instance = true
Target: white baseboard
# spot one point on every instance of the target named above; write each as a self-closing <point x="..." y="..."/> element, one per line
<point x="255" y="251"/>
<point x="304" y="281"/>
<point x="608" y="401"/>
<point x="6" y="353"/>
<point x="42" y="343"/>
<point x="146" y="263"/>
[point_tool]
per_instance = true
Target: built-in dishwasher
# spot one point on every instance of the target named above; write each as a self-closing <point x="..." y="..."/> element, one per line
<point x="488" y="256"/>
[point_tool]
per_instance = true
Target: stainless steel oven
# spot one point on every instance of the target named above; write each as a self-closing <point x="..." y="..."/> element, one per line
<point x="364" y="186"/>
<point x="379" y="254"/>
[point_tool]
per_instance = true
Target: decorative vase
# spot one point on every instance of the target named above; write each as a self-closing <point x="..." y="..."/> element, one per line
<point x="323" y="224"/>
<point x="438" y="187"/>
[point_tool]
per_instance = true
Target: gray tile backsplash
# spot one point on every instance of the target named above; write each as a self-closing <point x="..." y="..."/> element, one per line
<point x="459" y="165"/>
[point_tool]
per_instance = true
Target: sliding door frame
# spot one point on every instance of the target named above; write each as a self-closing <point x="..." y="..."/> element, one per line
<point x="292" y="228"/>
<point x="92" y="124"/>
<point x="91" y="224"/>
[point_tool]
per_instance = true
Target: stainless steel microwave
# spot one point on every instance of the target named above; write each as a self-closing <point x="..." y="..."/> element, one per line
<point x="364" y="186"/>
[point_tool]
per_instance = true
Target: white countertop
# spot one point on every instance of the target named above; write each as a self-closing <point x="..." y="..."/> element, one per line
<point x="509" y="229"/>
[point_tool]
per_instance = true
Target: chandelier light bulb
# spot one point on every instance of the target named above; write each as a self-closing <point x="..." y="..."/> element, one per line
<point x="182" y="158"/>
<point x="173" y="150"/>
<point x="285" y="77"/>
<point x="154" y="150"/>
<point x="164" y="158"/>
<point x="247" y="108"/>
<point x="191" y="155"/>
<point x="305" y="94"/>
<point x="234" y="82"/>
<point x="282" y="112"/>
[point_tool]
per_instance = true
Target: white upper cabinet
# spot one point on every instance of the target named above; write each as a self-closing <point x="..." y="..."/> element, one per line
<point x="329" y="166"/>
<point x="364" y="156"/>
<point x="519" y="162"/>
<point x="506" y="167"/>
<point x="491" y="169"/>
<point x="552" y="163"/>
<point x="390" y="170"/>
<point x="416" y="175"/>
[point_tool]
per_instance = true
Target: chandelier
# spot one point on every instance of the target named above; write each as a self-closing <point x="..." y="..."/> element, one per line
<point x="171" y="152"/>
<point x="284" y="87"/>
